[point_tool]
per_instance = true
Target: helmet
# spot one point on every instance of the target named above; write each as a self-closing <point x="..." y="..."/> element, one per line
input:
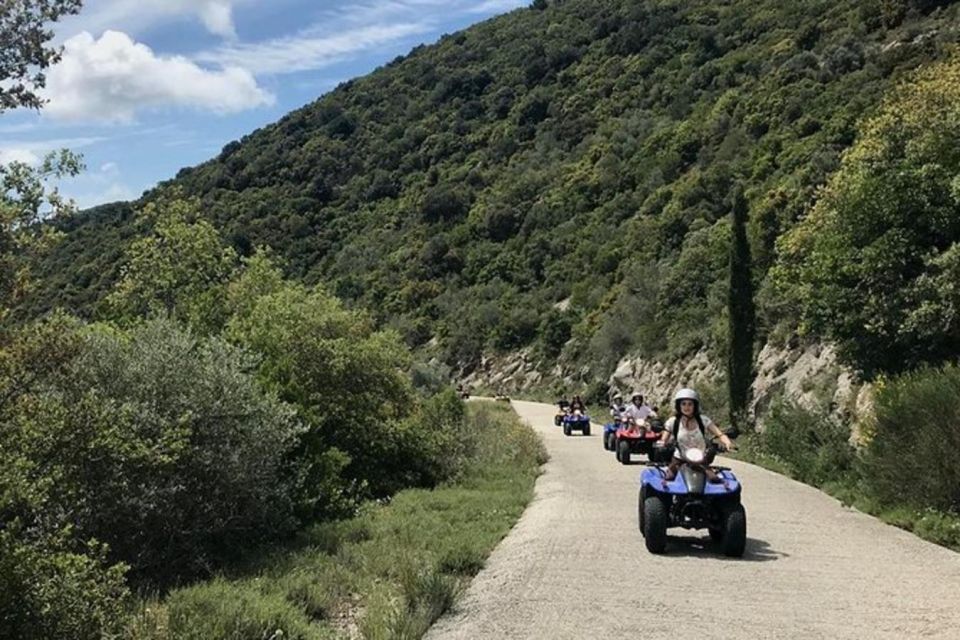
<point x="687" y="394"/>
<point x="636" y="393"/>
<point x="617" y="395"/>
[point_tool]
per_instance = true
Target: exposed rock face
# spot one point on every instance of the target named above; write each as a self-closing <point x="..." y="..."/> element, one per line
<point x="809" y="375"/>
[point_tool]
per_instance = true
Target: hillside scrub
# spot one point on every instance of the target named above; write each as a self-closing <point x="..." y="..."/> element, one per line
<point x="549" y="155"/>
<point x="875" y="265"/>
<point x="389" y="572"/>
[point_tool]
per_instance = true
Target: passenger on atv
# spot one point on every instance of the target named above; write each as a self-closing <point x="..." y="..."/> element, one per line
<point x="688" y="429"/>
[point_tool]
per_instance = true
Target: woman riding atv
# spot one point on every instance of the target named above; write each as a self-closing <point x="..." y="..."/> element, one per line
<point x="577" y="405"/>
<point x="688" y="428"/>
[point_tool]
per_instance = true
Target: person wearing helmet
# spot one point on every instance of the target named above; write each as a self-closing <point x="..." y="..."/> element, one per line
<point x="688" y="428"/>
<point x="637" y="411"/>
<point x="577" y="404"/>
<point x="617" y="407"/>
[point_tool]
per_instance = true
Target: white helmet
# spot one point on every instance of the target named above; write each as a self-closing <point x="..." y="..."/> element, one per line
<point x="636" y="393"/>
<point x="687" y="394"/>
<point x="617" y="395"/>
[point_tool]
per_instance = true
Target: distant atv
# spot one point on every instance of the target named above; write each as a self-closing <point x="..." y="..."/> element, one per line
<point x="562" y="413"/>
<point x="629" y="440"/>
<point x="691" y="502"/>
<point x="610" y="435"/>
<point x="576" y="421"/>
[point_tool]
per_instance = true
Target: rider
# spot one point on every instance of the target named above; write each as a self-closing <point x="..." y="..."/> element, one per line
<point x="617" y="407"/>
<point x="637" y="411"/>
<point x="564" y="404"/>
<point x="689" y="428"/>
<point x="577" y="404"/>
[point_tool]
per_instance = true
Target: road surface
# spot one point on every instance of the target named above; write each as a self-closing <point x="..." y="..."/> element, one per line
<point x="575" y="565"/>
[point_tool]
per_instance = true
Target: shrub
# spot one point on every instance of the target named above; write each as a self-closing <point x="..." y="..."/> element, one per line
<point x="155" y="442"/>
<point x="912" y="457"/>
<point x="815" y="448"/>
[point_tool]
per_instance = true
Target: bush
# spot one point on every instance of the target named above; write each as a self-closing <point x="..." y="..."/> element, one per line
<point x="814" y="448"/>
<point x="48" y="591"/>
<point x="917" y="437"/>
<point x="155" y="442"/>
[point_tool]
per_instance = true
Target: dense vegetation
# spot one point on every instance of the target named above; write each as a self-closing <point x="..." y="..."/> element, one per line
<point x="582" y="150"/>
<point x="389" y="572"/>
<point x="216" y="410"/>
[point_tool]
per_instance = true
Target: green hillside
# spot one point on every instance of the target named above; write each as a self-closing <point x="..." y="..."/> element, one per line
<point x="581" y="150"/>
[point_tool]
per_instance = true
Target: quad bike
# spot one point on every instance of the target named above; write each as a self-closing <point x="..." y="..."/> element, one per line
<point x="631" y="439"/>
<point x="576" y="421"/>
<point x="562" y="413"/>
<point x="691" y="501"/>
<point x="610" y="434"/>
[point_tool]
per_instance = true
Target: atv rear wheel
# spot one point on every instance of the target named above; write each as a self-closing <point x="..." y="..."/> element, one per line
<point x="623" y="452"/>
<point x="734" y="531"/>
<point x="654" y="522"/>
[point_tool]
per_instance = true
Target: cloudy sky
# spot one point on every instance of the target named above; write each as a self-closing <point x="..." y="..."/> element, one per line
<point x="146" y="87"/>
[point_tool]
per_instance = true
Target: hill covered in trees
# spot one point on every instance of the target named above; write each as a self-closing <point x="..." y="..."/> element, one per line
<point x="565" y="170"/>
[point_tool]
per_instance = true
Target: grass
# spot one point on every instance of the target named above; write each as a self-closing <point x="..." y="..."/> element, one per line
<point x="387" y="573"/>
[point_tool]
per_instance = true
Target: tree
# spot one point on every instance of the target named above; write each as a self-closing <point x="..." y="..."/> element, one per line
<point x="180" y="270"/>
<point x="24" y="201"/>
<point x="741" y="309"/>
<point x="23" y="40"/>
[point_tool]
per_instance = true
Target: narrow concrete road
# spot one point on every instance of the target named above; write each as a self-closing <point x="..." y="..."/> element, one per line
<point x="575" y="565"/>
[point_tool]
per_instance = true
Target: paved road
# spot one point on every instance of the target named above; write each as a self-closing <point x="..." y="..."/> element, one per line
<point x="575" y="565"/>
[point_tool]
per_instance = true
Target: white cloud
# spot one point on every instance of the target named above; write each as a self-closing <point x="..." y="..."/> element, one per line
<point x="496" y="6"/>
<point x="305" y="51"/>
<point x="32" y="151"/>
<point x="218" y="18"/>
<point x="110" y="79"/>
<point x="18" y="154"/>
<point x="134" y="16"/>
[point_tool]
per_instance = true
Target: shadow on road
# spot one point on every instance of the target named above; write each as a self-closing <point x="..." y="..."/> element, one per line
<point x="704" y="547"/>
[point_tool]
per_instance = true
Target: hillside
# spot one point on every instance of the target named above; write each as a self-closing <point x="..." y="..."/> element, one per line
<point x="555" y="172"/>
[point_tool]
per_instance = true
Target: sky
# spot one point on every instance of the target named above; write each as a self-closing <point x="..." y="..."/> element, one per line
<point x="146" y="87"/>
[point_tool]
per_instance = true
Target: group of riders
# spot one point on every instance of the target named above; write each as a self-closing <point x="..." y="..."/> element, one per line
<point x="688" y="428"/>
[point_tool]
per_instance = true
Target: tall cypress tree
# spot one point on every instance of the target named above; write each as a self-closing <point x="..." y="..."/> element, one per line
<point x="741" y="311"/>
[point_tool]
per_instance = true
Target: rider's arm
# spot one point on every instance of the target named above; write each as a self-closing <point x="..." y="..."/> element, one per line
<point x="721" y="436"/>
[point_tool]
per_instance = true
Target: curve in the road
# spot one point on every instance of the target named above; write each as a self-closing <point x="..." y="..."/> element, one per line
<point x="575" y="566"/>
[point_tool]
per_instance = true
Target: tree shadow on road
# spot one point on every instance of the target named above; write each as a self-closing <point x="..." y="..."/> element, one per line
<point x="703" y="547"/>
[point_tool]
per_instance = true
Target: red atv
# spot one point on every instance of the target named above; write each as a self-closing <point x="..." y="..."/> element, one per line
<point x="632" y="439"/>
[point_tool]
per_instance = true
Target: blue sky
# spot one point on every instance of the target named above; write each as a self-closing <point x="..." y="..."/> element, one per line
<point x="146" y="87"/>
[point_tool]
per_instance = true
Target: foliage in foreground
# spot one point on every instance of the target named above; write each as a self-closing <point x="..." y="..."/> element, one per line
<point x="389" y="572"/>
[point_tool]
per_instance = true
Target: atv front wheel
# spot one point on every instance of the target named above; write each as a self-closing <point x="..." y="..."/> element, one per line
<point x="566" y="428"/>
<point x="586" y="430"/>
<point x="734" y="531"/>
<point x="654" y="522"/>
<point x="623" y="454"/>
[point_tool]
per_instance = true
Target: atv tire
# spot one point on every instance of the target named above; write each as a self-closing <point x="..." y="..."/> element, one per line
<point x="715" y="534"/>
<point x="654" y="523"/>
<point x="586" y="430"/>
<point x="734" y="531"/>
<point x="623" y="452"/>
<point x="566" y="428"/>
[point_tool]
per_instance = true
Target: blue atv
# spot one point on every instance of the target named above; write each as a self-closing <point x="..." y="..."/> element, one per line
<point x="692" y="502"/>
<point x="610" y="435"/>
<point x="576" y="421"/>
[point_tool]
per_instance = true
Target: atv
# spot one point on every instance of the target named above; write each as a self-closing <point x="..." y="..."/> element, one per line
<point x="576" y="421"/>
<point x="691" y="502"/>
<point x="631" y="440"/>
<point x="610" y="435"/>
<point x="562" y="413"/>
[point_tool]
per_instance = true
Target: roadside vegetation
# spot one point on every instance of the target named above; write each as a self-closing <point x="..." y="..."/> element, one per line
<point x="904" y="470"/>
<point x="386" y="573"/>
